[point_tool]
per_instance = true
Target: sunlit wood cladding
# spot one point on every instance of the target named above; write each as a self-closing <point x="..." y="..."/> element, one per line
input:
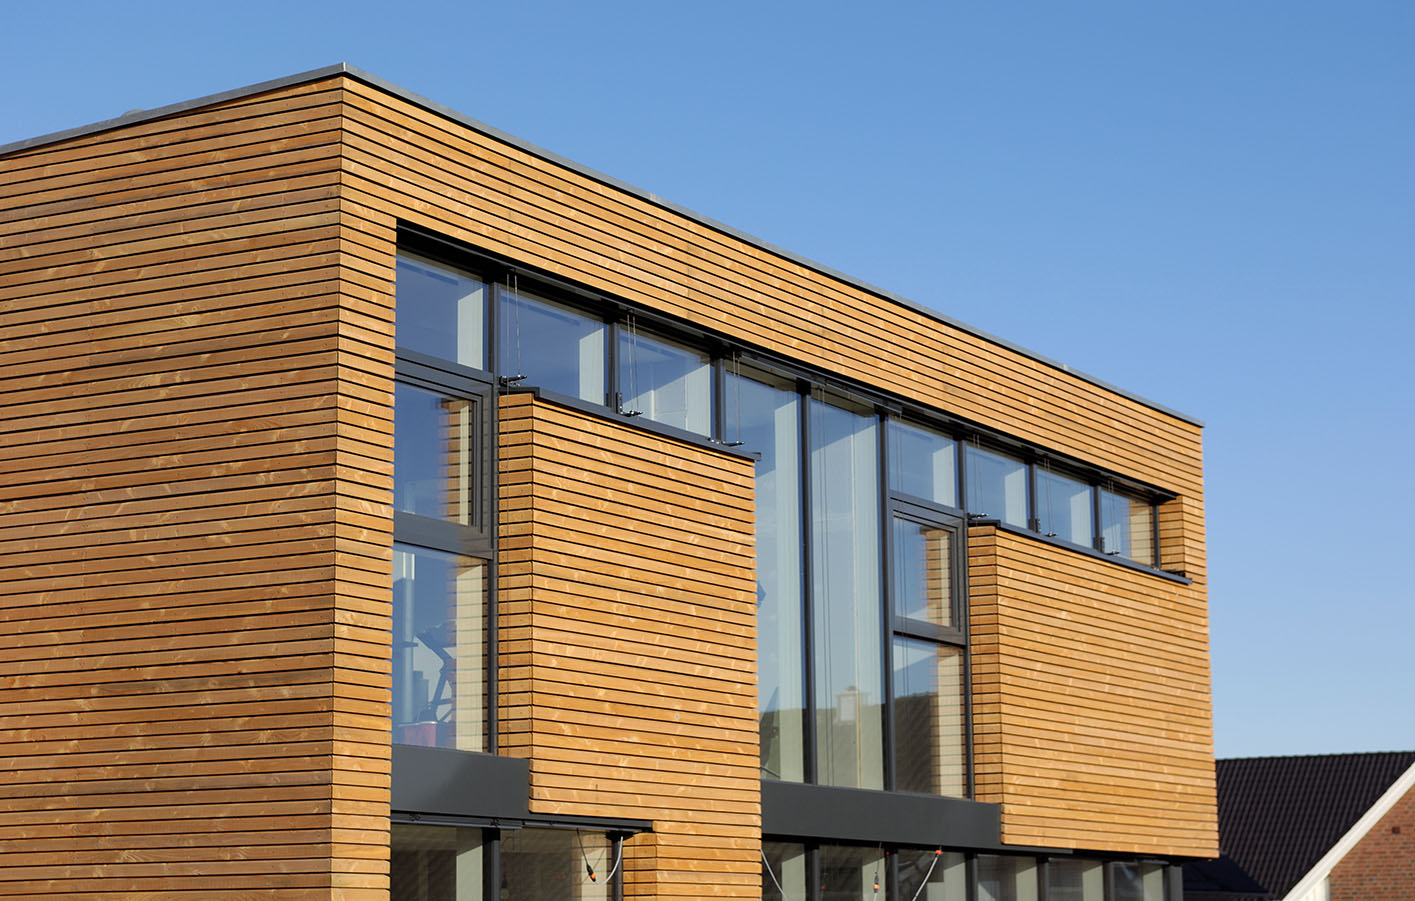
<point x="1090" y="700"/>
<point x="627" y="641"/>
<point x="195" y="467"/>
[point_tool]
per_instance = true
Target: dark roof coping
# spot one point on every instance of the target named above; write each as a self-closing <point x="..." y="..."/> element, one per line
<point x="135" y="116"/>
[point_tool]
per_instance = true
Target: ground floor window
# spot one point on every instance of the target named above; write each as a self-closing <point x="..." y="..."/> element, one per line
<point x="454" y="863"/>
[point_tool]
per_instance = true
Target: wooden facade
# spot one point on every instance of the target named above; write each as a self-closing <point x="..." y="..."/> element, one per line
<point x="196" y="368"/>
<point x="610" y="534"/>
<point x="194" y="514"/>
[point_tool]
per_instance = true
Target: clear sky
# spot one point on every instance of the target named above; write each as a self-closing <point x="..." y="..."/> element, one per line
<point x="1208" y="202"/>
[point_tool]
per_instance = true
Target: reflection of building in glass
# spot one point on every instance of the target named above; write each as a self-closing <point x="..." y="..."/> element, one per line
<point x="397" y="510"/>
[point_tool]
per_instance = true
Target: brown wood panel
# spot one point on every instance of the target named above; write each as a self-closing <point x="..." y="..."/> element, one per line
<point x="195" y="480"/>
<point x="619" y="715"/>
<point x="1092" y="721"/>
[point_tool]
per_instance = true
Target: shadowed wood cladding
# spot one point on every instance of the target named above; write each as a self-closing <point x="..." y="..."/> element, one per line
<point x="628" y="641"/>
<point x="195" y="464"/>
<point x="1091" y="701"/>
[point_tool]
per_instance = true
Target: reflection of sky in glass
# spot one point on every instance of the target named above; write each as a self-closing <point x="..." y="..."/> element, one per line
<point x="1064" y="507"/>
<point x="553" y="346"/>
<point x="997" y="486"/>
<point x="923" y="463"/>
<point x="665" y="382"/>
<point x="441" y="311"/>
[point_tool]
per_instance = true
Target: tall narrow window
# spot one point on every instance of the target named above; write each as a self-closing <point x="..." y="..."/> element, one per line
<point x="439" y="649"/>
<point x="845" y="579"/>
<point x="554" y="346"/>
<point x="441" y="311"/>
<point x="435" y="461"/>
<point x="765" y="415"/>
<point x="665" y="381"/>
<point x="997" y="486"/>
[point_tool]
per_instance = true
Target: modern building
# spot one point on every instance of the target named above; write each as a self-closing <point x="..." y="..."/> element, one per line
<point x="388" y="504"/>
<point x="1325" y="827"/>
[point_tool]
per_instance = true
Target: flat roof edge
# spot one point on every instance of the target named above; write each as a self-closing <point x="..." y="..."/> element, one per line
<point x="137" y="116"/>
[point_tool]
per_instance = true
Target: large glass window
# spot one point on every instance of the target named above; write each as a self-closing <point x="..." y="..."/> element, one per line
<point x="765" y="416"/>
<point x="1064" y="507"/>
<point x="556" y="865"/>
<point x="665" y="381"/>
<point x="1137" y="881"/>
<point x="554" y="346"/>
<point x="439" y="649"/>
<point x="435" y="465"/>
<point x="783" y="871"/>
<point x="997" y="486"/>
<point x="1075" y="880"/>
<point x="845" y="578"/>
<point x="441" y="311"/>
<point x="436" y="863"/>
<point x="923" y="463"/>
<point x="851" y="873"/>
<point x="932" y="875"/>
<point x="1006" y="878"/>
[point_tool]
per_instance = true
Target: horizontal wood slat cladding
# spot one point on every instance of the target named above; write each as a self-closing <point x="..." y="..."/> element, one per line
<point x="195" y="519"/>
<point x="627" y="637"/>
<point x="1091" y="700"/>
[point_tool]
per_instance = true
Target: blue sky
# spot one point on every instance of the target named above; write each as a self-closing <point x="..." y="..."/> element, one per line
<point x="1209" y="203"/>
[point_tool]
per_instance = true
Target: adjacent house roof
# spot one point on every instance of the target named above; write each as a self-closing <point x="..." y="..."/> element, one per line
<point x="1278" y="816"/>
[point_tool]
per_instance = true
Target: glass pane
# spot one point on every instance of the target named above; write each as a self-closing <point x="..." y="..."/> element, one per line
<point x="666" y="382"/>
<point x="433" y="455"/>
<point x="1127" y="526"/>
<point x="1006" y="878"/>
<point x="1064" y="507"/>
<point x="441" y="311"/>
<point x="923" y="463"/>
<point x="944" y="875"/>
<point x="848" y="622"/>
<point x="851" y="873"/>
<point x="783" y="872"/>
<point x="439" y="649"/>
<point x="923" y="572"/>
<point x="997" y="486"/>
<point x="435" y="863"/>
<point x="1138" y="881"/>
<point x="766" y="418"/>
<point x="555" y="347"/>
<point x="1075" y="880"/>
<point x="931" y="753"/>
<point x="554" y="865"/>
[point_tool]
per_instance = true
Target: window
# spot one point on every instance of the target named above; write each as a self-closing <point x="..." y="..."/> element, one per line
<point x="1127" y="527"/>
<point x="1075" y="880"/>
<point x="997" y="486"/>
<point x="923" y="463"/>
<point x="1006" y="878"/>
<point x="451" y="863"/>
<point x="783" y="871"/>
<point x="1064" y="507"/>
<point x="1137" y="881"/>
<point x="848" y="625"/>
<point x="442" y="519"/>
<point x="664" y="381"/>
<point x="944" y="872"/>
<point x="553" y="346"/>
<point x="441" y="311"/>
<point x="766" y="418"/>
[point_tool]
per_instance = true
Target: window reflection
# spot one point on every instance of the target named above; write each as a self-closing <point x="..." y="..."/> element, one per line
<point x="765" y="415"/>
<point x="923" y="572"/>
<point x="551" y="865"/>
<point x="1064" y="507"/>
<point x="931" y="753"/>
<point x="433" y="454"/>
<point x="848" y="624"/>
<point x="439" y="647"/>
<point x="441" y="311"/>
<point x="665" y="381"/>
<point x="554" y="346"/>
<point x="435" y="863"/>
<point x="997" y="486"/>
<point x="923" y="463"/>
<point x="1127" y="526"/>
